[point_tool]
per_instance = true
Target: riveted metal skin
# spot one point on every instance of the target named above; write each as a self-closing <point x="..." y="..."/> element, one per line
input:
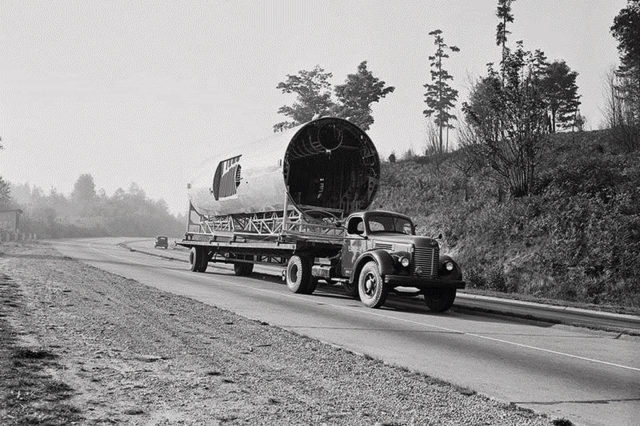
<point x="326" y="163"/>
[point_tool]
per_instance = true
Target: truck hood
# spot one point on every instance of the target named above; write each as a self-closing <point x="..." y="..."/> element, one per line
<point x="393" y="237"/>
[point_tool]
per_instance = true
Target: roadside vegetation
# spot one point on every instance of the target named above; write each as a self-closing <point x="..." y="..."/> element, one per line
<point x="90" y="213"/>
<point x="575" y="237"/>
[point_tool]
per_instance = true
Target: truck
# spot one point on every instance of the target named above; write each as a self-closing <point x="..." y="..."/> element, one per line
<point x="299" y="200"/>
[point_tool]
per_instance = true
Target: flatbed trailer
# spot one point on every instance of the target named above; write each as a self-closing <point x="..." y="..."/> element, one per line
<point x="368" y="264"/>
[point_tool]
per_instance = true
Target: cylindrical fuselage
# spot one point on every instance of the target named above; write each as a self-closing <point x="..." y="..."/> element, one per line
<point x="328" y="163"/>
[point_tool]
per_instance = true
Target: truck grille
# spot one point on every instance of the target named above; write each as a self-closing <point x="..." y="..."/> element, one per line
<point x="427" y="258"/>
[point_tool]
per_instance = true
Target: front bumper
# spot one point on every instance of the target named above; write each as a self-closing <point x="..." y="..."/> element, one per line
<point x="421" y="283"/>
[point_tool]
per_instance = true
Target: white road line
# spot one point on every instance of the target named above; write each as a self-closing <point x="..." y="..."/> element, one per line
<point x="378" y="314"/>
<point x="479" y="336"/>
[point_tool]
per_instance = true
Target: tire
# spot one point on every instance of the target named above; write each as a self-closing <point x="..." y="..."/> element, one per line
<point x="371" y="287"/>
<point x="243" y="269"/>
<point x="351" y="289"/>
<point x="198" y="260"/>
<point x="439" y="299"/>
<point x="299" y="279"/>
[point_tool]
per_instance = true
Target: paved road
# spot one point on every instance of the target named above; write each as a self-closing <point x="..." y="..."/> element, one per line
<point x="586" y="376"/>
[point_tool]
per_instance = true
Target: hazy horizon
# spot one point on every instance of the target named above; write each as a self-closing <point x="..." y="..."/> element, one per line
<point x="133" y="92"/>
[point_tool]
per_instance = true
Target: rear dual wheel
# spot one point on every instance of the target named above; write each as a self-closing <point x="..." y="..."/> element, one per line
<point x="299" y="278"/>
<point x="198" y="259"/>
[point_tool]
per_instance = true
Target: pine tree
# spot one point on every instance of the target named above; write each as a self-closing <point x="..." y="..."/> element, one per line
<point x="440" y="97"/>
<point x="503" y="13"/>
<point x="626" y="29"/>
<point x="561" y="95"/>
<point x="5" y="189"/>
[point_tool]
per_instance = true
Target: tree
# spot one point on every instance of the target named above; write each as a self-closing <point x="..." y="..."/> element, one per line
<point x="5" y="193"/>
<point x="357" y="94"/>
<point x="504" y="15"/>
<point x="561" y="95"/>
<point x="506" y="114"/>
<point x="84" y="190"/>
<point x="354" y="97"/>
<point x="5" y="189"/>
<point x="440" y="96"/>
<point x="619" y="114"/>
<point x="313" y="91"/>
<point x="626" y="29"/>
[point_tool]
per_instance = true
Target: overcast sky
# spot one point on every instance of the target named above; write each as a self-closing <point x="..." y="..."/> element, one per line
<point x="144" y="91"/>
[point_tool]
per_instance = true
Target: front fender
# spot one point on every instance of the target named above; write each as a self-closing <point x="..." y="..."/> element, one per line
<point x="381" y="257"/>
<point x="456" y="274"/>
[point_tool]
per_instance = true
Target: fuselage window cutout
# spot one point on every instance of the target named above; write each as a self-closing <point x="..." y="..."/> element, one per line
<point x="227" y="178"/>
<point x="238" y="175"/>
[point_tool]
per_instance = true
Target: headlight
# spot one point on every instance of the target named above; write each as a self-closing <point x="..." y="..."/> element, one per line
<point x="404" y="261"/>
<point x="449" y="266"/>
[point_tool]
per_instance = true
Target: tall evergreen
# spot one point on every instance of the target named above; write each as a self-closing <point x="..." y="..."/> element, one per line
<point x="504" y="15"/>
<point x="626" y="29"/>
<point x="561" y="95"/>
<point x="440" y="97"/>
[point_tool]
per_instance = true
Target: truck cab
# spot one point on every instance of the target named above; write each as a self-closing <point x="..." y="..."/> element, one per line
<point x="382" y="252"/>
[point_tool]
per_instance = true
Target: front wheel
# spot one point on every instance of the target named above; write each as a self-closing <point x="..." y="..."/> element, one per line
<point x="299" y="279"/>
<point x="439" y="299"/>
<point x="198" y="260"/>
<point x="371" y="287"/>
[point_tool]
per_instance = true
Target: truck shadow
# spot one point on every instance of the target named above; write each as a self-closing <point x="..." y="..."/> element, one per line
<point x="399" y="303"/>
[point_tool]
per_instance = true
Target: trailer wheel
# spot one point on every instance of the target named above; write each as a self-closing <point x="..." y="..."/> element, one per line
<point x="371" y="287"/>
<point x="198" y="259"/>
<point x="299" y="279"/>
<point x="243" y="269"/>
<point x="439" y="299"/>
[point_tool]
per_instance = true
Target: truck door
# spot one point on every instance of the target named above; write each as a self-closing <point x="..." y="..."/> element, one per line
<point x="354" y="244"/>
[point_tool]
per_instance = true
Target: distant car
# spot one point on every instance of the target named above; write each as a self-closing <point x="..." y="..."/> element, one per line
<point x="162" y="241"/>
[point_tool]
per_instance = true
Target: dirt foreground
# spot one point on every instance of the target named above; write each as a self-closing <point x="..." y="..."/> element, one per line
<point x="80" y="345"/>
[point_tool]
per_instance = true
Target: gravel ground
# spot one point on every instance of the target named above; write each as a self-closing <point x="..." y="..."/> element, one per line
<point x="122" y="352"/>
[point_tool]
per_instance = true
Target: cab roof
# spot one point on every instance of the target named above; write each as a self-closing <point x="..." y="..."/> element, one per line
<point x="380" y="212"/>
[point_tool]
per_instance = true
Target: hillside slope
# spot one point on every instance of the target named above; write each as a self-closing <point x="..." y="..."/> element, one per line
<point x="577" y="239"/>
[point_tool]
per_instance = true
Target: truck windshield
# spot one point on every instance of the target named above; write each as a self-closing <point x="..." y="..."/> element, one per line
<point x="386" y="223"/>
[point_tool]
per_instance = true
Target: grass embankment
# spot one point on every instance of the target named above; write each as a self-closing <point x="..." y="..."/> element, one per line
<point x="29" y="394"/>
<point x="576" y="239"/>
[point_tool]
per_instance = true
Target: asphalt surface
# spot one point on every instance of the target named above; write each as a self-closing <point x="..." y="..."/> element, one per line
<point x="586" y="376"/>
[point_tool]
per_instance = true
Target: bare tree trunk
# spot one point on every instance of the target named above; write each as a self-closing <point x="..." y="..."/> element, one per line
<point x="447" y="147"/>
